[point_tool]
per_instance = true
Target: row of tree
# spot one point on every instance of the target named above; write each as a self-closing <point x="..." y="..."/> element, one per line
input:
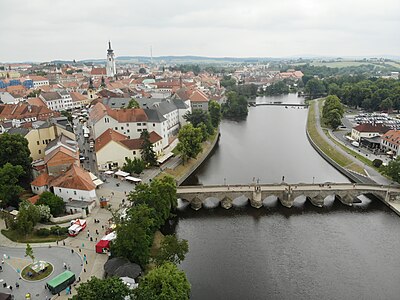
<point x="332" y="112"/>
<point x="201" y="125"/>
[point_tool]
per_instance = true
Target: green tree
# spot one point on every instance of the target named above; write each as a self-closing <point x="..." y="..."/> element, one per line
<point x="28" y="216"/>
<point x="386" y="104"/>
<point x="315" y="88"/>
<point x="333" y="119"/>
<point x="135" y="235"/>
<point x="160" y="195"/>
<point x="14" y="150"/>
<point x="147" y="152"/>
<point x="393" y="169"/>
<point x="55" y="203"/>
<point x="172" y="250"/>
<point x="133" y="103"/>
<point x="228" y="82"/>
<point x="235" y="107"/>
<point x="9" y="188"/>
<point x="135" y="165"/>
<point x="215" y="113"/>
<point x="44" y="212"/>
<point x="29" y="252"/>
<point x="189" y="145"/>
<point x="198" y="117"/>
<point x="111" y="288"/>
<point x="164" y="283"/>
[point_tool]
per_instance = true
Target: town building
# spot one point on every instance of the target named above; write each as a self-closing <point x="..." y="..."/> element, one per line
<point x="390" y="142"/>
<point x="367" y="130"/>
<point x="57" y="101"/>
<point x="110" y="66"/>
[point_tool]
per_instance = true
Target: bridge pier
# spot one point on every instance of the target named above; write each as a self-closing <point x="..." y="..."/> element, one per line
<point x="346" y="198"/>
<point x="226" y="202"/>
<point x="286" y="199"/>
<point x="256" y="200"/>
<point x="317" y="200"/>
<point x="196" y="203"/>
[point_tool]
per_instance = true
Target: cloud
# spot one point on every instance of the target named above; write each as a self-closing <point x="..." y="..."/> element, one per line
<point x="46" y="29"/>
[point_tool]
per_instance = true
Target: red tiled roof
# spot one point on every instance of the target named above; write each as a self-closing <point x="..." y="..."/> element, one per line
<point x="108" y="136"/>
<point x="98" y="71"/>
<point x="74" y="178"/>
<point x="34" y="199"/>
<point x="36" y="101"/>
<point x="392" y="137"/>
<point x="41" y="180"/>
<point x="198" y="96"/>
<point x="367" y="127"/>
<point x="76" y="97"/>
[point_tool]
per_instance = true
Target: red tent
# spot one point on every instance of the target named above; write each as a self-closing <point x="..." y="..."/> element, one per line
<point x="101" y="245"/>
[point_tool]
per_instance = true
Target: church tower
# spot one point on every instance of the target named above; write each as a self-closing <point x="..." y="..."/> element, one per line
<point x="110" y="67"/>
<point x="91" y="92"/>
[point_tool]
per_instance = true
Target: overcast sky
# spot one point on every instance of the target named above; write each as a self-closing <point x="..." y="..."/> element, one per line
<point x="43" y="30"/>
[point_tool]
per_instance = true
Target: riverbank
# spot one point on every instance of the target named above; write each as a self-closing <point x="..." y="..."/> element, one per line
<point x="183" y="171"/>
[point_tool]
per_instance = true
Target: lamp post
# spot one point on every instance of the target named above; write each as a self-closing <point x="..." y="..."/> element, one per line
<point x="313" y="179"/>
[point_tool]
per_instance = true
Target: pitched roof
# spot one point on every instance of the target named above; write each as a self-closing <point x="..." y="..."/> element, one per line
<point x="36" y="101"/>
<point x="98" y="71"/>
<point x="198" y="96"/>
<point x="61" y="156"/>
<point x="37" y="78"/>
<point x="42" y="180"/>
<point x="76" y="97"/>
<point x="367" y="127"/>
<point x="108" y="136"/>
<point x="133" y="144"/>
<point x="34" y="199"/>
<point x="74" y="178"/>
<point x="126" y="115"/>
<point x="49" y="96"/>
<point x="392" y="137"/>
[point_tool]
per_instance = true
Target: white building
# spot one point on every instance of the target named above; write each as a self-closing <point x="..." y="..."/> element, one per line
<point x="110" y="66"/>
<point x="38" y="81"/>
<point x="57" y="101"/>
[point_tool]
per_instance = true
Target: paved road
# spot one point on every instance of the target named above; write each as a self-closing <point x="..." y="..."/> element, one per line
<point x="55" y="255"/>
<point x="372" y="173"/>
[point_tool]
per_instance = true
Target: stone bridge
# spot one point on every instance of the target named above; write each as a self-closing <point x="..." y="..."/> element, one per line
<point x="286" y="193"/>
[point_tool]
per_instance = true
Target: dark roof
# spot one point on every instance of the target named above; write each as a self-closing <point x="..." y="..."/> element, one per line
<point x="180" y="104"/>
<point x="130" y="270"/>
<point x="114" y="102"/>
<point x="113" y="264"/>
<point x="50" y="96"/>
<point x="21" y="130"/>
<point x="153" y="115"/>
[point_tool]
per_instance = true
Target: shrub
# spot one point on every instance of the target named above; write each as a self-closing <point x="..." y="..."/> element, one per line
<point x="377" y="162"/>
<point x="43" y="232"/>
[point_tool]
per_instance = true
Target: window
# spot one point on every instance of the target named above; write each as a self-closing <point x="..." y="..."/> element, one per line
<point x="127" y="124"/>
<point x="134" y="152"/>
<point x="139" y="124"/>
<point x="40" y="151"/>
<point x="59" y="190"/>
<point x="154" y="124"/>
<point x="139" y="130"/>
<point x="38" y="142"/>
<point x="74" y="192"/>
<point x="116" y="128"/>
<point x="127" y="130"/>
<point x="122" y="128"/>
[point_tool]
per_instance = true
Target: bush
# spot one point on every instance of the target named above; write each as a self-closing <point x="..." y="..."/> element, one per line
<point x="43" y="232"/>
<point x="377" y="163"/>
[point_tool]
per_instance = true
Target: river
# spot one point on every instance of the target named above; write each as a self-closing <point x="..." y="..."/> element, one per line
<point x="305" y="252"/>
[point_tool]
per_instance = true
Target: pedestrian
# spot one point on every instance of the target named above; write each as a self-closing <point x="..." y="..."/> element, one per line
<point x="65" y="265"/>
<point x="63" y="243"/>
<point x="97" y="232"/>
<point x="10" y="287"/>
<point x="72" y="251"/>
<point x="17" y="285"/>
<point x="84" y="257"/>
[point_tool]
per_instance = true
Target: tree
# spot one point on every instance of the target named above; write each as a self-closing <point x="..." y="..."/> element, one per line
<point x="235" y="107"/>
<point x="111" y="288"/>
<point x="314" y="88"/>
<point x="44" y="212"/>
<point x="228" y="82"/>
<point x="160" y="195"/>
<point x="148" y="154"/>
<point x="28" y="216"/>
<point x="135" y="165"/>
<point x="333" y="119"/>
<point x="14" y="150"/>
<point x="198" y="117"/>
<point x="55" y="203"/>
<point x="133" y="103"/>
<point x="29" y="252"/>
<point x="135" y="235"/>
<point x="164" y="283"/>
<point x="172" y="250"/>
<point x="332" y="111"/>
<point x="142" y="71"/>
<point x="189" y="142"/>
<point x="215" y="113"/>
<point x="393" y="169"/>
<point x="9" y="188"/>
<point x="386" y="104"/>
